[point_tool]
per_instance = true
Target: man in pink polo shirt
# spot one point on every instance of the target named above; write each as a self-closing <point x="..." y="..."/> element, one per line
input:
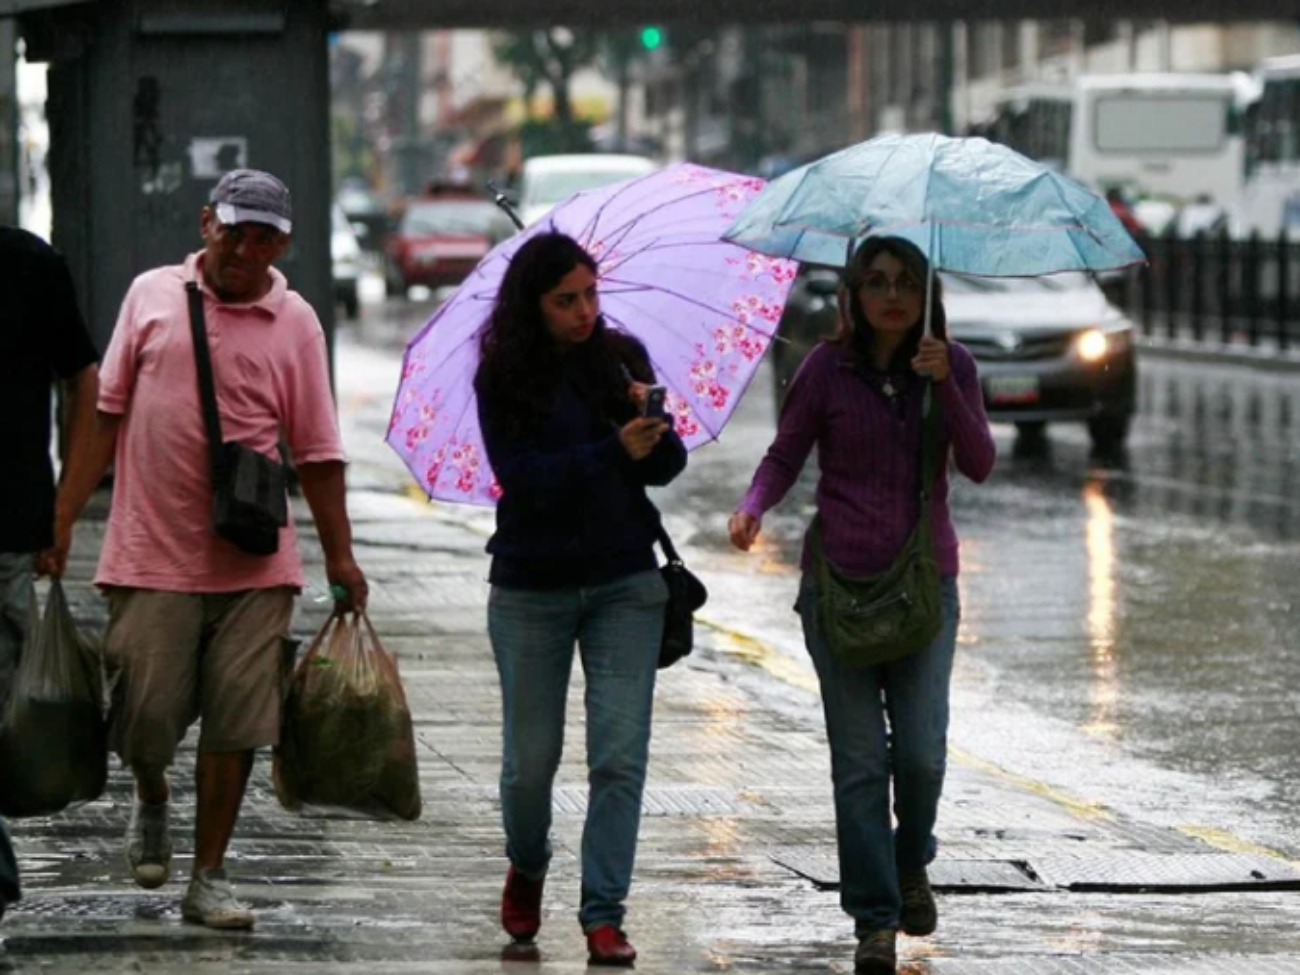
<point x="197" y="625"/>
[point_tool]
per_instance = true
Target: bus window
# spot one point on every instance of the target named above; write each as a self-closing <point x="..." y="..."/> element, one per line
<point x="1133" y="123"/>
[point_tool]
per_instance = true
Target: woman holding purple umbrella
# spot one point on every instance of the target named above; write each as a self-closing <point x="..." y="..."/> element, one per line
<point x="858" y="399"/>
<point x="572" y="564"/>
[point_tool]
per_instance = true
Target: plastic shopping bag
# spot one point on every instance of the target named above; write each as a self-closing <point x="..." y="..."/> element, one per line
<point x="53" y="735"/>
<point x="347" y="743"/>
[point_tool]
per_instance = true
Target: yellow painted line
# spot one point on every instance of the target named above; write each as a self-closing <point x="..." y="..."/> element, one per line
<point x="752" y="650"/>
<point x="1223" y="840"/>
<point x="1080" y="807"/>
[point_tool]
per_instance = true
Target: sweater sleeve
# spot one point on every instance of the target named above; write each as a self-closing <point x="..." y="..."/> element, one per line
<point x="526" y="471"/>
<point x="800" y="424"/>
<point x="963" y="405"/>
<point x="664" y="462"/>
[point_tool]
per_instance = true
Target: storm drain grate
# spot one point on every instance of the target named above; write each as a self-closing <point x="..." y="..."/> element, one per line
<point x="1165" y="873"/>
<point x="946" y="876"/>
<point x="1118" y="872"/>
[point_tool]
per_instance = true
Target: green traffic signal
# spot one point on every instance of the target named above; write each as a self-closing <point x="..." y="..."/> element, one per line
<point x="652" y="38"/>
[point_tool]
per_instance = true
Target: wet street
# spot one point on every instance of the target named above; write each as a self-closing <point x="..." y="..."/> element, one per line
<point x="1123" y="741"/>
<point x="1129" y="622"/>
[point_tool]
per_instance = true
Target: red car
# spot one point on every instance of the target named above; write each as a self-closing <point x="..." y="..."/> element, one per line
<point x="439" y="240"/>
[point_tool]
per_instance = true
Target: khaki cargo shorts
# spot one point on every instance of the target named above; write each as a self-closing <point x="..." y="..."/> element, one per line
<point x="223" y="658"/>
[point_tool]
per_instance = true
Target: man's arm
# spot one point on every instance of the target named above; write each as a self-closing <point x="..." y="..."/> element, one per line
<point x="91" y="439"/>
<point x="326" y="494"/>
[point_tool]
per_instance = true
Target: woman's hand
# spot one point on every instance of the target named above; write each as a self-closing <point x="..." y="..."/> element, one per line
<point x="639" y="436"/>
<point x="932" y="359"/>
<point x="743" y="528"/>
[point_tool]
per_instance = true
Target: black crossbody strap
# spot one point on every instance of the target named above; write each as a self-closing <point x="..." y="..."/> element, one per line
<point x="207" y="388"/>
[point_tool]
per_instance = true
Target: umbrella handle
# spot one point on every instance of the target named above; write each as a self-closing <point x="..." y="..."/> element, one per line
<point x="500" y="199"/>
<point x="929" y="284"/>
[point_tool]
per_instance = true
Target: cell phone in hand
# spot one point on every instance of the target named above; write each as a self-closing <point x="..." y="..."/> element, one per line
<point x="654" y="402"/>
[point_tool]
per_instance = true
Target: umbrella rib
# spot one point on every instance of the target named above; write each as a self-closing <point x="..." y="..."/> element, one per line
<point x="661" y="245"/>
<point x="659" y="372"/>
<point x="729" y="314"/>
<point x="631" y="222"/>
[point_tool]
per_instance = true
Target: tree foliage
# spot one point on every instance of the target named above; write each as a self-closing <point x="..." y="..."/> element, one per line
<point x="548" y="58"/>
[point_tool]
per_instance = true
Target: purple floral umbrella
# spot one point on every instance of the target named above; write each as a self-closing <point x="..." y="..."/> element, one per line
<point x="705" y="309"/>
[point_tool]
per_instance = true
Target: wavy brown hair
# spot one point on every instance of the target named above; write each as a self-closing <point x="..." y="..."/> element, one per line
<point x="856" y="331"/>
<point x="520" y="362"/>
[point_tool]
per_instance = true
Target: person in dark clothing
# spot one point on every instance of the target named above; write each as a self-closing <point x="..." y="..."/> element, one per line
<point x="42" y="337"/>
<point x="572" y="563"/>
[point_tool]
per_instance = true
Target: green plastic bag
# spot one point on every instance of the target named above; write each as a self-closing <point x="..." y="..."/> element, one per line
<point x="347" y="742"/>
<point x="54" y="735"/>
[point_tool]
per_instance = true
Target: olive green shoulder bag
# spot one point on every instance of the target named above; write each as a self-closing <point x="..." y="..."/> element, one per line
<point x="870" y="620"/>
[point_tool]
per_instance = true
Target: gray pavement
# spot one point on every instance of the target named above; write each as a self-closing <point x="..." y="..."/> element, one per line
<point x="737" y="843"/>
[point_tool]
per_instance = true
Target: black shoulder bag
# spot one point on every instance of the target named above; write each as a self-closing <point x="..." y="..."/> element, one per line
<point x="250" y="505"/>
<point x="686" y="594"/>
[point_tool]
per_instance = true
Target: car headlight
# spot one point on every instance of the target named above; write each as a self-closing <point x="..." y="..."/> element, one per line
<point x="1091" y="345"/>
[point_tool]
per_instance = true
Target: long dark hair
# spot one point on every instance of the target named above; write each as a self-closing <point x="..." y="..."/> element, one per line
<point x="857" y="332"/>
<point x="520" y="362"/>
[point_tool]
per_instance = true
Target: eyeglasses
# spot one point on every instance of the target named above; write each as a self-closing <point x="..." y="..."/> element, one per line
<point x="878" y="285"/>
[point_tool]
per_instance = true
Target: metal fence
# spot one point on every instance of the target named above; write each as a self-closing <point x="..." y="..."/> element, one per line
<point x="1215" y="289"/>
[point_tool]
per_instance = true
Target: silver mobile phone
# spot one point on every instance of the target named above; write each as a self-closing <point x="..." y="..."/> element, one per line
<point x="654" y="402"/>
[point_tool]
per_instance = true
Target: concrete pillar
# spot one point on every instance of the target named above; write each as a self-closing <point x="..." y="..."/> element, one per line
<point x="151" y="101"/>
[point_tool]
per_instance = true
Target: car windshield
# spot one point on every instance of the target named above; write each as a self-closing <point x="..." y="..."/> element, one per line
<point x="458" y="217"/>
<point x="554" y="187"/>
<point x="968" y="284"/>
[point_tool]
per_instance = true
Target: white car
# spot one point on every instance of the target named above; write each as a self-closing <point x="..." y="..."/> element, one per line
<point x="548" y="180"/>
<point x="345" y="257"/>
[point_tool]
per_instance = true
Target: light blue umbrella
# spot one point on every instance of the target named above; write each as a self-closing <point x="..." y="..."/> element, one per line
<point x="971" y="205"/>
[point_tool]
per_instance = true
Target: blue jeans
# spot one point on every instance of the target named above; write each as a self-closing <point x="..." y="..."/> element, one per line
<point x="883" y="723"/>
<point x="617" y="628"/>
<point x="15" y="604"/>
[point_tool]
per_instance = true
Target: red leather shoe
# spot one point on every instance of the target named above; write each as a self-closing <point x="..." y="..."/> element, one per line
<point x="521" y="906"/>
<point x="607" y="945"/>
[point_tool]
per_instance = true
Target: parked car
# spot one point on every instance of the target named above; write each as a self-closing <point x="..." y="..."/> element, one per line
<point x="1050" y="349"/>
<point x="345" y="257"/>
<point x="438" y="241"/>
<point x="547" y="180"/>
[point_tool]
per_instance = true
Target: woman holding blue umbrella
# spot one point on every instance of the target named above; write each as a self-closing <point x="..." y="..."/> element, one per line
<point x="573" y="564"/>
<point x="860" y="400"/>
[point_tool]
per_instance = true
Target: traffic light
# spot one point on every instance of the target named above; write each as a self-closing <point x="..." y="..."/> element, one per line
<point x="652" y="38"/>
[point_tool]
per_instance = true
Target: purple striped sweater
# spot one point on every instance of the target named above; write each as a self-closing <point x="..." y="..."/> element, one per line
<point x="868" y="455"/>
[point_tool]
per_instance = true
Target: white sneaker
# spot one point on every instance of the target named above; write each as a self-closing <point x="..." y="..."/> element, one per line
<point x="211" y="901"/>
<point x="149" y="845"/>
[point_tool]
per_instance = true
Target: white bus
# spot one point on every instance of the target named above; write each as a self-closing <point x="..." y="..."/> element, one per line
<point x="1270" y="196"/>
<point x="1167" y="140"/>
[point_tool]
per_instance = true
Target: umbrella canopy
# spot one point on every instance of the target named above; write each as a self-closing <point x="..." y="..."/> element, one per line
<point x="705" y="310"/>
<point x="971" y="205"/>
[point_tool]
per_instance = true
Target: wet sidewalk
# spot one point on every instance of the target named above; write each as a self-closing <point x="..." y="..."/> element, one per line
<point x="737" y="850"/>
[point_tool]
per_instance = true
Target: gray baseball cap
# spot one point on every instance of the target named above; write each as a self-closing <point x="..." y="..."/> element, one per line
<point x="252" y="196"/>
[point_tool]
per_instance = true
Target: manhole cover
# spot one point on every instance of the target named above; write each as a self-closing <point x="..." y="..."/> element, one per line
<point x="946" y="876"/>
<point x="1164" y="873"/>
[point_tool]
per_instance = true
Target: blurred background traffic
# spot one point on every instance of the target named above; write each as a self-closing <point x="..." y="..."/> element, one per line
<point x="1190" y="130"/>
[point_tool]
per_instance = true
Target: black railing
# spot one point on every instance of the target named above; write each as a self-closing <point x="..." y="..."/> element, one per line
<point x="1216" y="289"/>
